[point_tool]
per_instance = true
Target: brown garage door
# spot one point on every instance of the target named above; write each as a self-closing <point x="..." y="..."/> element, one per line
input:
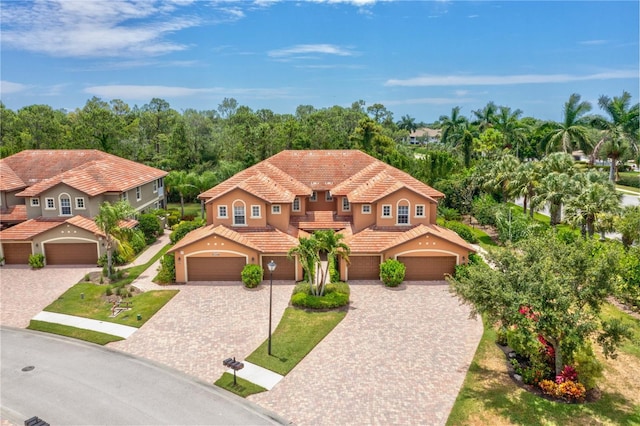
<point x="71" y="253"/>
<point x="16" y="253"/>
<point x="215" y="268"/>
<point x="428" y="268"/>
<point x="364" y="268"/>
<point x="285" y="268"/>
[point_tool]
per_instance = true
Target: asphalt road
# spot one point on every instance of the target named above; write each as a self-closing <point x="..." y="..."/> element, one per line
<point x="74" y="382"/>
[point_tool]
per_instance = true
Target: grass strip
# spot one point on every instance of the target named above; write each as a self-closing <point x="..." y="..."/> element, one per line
<point x="297" y="334"/>
<point x="243" y="388"/>
<point x="76" y="333"/>
<point x="86" y="300"/>
<point x="135" y="271"/>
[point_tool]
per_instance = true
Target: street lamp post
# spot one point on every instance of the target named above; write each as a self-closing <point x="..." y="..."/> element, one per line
<point x="272" y="267"/>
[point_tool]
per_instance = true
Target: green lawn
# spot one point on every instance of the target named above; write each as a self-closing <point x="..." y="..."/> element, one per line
<point x="297" y="334"/>
<point x="484" y="240"/>
<point x="192" y="209"/>
<point x="544" y="219"/>
<point x="134" y="272"/>
<point x="243" y="387"/>
<point x="489" y="396"/>
<point x="629" y="188"/>
<point x="76" y="333"/>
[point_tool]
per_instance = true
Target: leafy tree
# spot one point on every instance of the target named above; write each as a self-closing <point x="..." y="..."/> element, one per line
<point x="489" y="143"/>
<point x="181" y="183"/>
<point x="110" y="221"/>
<point x="547" y="288"/>
<point x="573" y="131"/>
<point x="307" y="252"/>
<point x="628" y="225"/>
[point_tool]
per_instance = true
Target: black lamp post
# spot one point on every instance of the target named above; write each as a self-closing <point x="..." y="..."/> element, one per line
<point x="272" y="267"/>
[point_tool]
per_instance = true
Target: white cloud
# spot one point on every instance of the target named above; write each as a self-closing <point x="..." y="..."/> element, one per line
<point x="306" y="49"/>
<point x="593" y="42"/>
<point x="430" y="101"/>
<point x="7" y="87"/>
<point x="143" y="92"/>
<point x="72" y="28"/>
<point x="502" y="80"/>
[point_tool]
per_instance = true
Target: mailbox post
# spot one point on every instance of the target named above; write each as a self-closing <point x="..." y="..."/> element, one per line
<point x="234" y="365"/>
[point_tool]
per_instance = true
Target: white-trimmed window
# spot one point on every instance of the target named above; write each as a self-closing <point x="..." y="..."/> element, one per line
<point x="222" y="212"/>
<point x="138" y="193"/>
<point x="275" y="209"/>
<point x="256" y="212"/>
<point x="386" y="210"/>
<point x="155" y="186"/>
<point x="160" y="183"/>
<point x="314" y="196"/>
<point x="49" y="204"/>
<point x="239" y="214"/>
<point x="125" y="196"/>
<point x="296" y="204"/>
<point x="65" y="205"/>
<point x="419" y="210"/>
<point x="35" y="202"/>
<point x="403" y="215"/>
<point x="346" y="206"/>
<point x="327" y="196"/>
<point x="366" y="209"/>
<point x="80" y="203"/>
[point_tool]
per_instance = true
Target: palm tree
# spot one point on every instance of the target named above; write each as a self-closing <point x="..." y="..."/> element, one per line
<point x="558" y="162"/>
<point x="553" y="190"/>
<point x="572" y="132"/>
<point x="452" y="127"/>
<point x="307" y="251"/>
<point x="183" y="183"/>
<point x="509" y="124"/>
<point x="407" y="123"/>
<point x="622" y="127"/>
<point x="109" y="221"/>
<point x="628" y="225"/>
<point x="595" y="198"/>
<point x="501" y="173"/>
<point x="485" y="116"/>
<point x="525" y="182"/>
<point x="331" y="248"/>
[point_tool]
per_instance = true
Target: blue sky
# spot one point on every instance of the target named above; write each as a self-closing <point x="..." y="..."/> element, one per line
<point x="420" y="58"/>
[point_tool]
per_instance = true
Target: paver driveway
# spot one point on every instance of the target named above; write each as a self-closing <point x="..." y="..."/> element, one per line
<point x="398" y="358"/>
<point x="25" y="292"/>
<point x="205" y="324"/>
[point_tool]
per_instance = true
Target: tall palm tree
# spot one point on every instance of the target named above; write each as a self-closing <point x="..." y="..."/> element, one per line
<point x="331" y="248"/>
<point x="572" y="132"/>
<point x="308" y="255"/>
<point x="553" y="190"/>
<point x="485" y="116"/>
<point x="407" y="123"/>
<point x="509" y="124"/>
<point x="558" y="162"/>
<point x="621" y="127"/>
<point x="525" y="182"/>
<point x="452" y="127"/>
<point x="110" y="220"/>
<point x="594" y="198"/>
<point x="501" y="173"/>
<point x="183" y="183"/>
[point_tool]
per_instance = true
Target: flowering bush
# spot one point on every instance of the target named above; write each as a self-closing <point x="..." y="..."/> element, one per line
<point x="547" y="347"/>
<point x="569" y="390"/>
<point x="568" y="373"/>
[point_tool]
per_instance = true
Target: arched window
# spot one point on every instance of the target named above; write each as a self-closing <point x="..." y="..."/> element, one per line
<point x="65" y="205"/>
<point x="239" y="213"/>
<point x="403" y="208"/>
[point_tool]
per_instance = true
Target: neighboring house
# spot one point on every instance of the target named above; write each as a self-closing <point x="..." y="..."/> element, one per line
<point x="48" y="199"/>
<point x="259" y="214"/>
<point x="424" y="135"/>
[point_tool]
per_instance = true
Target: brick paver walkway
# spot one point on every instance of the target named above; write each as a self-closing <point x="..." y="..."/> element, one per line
<point x="398" y="358"/>
<point x="25" y="292"/>
<point x="205" y="324"/>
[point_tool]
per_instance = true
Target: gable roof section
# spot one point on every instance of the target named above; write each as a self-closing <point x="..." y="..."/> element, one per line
<point x="90" y="171"/>
<point x="33" y="227"/>
<point x="9" y="180"/>
<point x="265" y="240"/>
<point x="17" y="213"/>
<point x="372" y="240"/>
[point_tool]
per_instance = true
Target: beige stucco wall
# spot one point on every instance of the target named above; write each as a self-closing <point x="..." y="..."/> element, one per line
<point x="429" y="246"/>
<point x="279" y="221"/>
<point x="214" y="245"/>
<point x="237" y="196"/>
<point x="413" y="199"/>
<point x="361" y="220"/>
<point x="321" y="204"/>
<point x="303" y="207"/>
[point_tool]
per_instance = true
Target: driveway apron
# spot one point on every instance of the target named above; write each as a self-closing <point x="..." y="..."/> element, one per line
<point x="399" y="357"/>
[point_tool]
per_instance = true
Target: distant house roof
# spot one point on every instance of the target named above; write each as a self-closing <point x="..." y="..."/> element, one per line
<point x="362" y="178"/>
<point x="90" y="171"/>
<point x="426" y="132"/>
<point x="9" y="180"/>
<point x="32" y="227"/>
<point x="13" y="214"/>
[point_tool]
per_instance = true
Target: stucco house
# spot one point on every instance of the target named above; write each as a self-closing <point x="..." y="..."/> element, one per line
<point x="48" y="199"/>
<point x="260" y="213"/>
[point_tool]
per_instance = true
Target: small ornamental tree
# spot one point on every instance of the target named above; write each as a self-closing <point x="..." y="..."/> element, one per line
<point x="392" y="272"/>
<point x="252" y="275"/>
<point x="548" y="289"/>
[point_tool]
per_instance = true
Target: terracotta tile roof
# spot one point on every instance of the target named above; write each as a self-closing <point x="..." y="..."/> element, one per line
<point x="14" y="214"/>
<point x="265" y="240"/>
<point x="378" y="240"/>
<point x="315" y="220"/>
<point x="362" y="178"/>
<point x="32" y="227"/>
<point x="90" y="171"/>
<point x="9" y="180"/>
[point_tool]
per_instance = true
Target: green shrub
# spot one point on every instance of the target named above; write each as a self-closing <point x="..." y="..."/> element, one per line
<point x="461" y="229"/>
<point x="629" y="179"/>
<point x="448" y="213"/>
<point x="150" y="226"/>
<point x="328" y="301"/>
<point x="484" y="210"/>
<point x="338" y="287"/>
<point x="116" y="259"/>
<point x="108" y="291"/>
<point x="183" y="228"/>
<point x="523" y="342"/>
<point x="36" y="261"/>
<point x="173" y="220"/>
<point x="167" y="273"/>
<point x="588" y="367"/>
<point x="392" y="272"/>
<point x="137" y="241"/>
<point x="252" y="275"/>
<point x="302" y="287"/>
<point x="629" y="289"/>
<point x="334" y="273"/>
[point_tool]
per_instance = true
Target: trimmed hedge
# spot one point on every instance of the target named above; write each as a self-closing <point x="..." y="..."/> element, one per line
<point x="252" y="275"/>
<point x="392" y="272"/>
<point x="335" y="295"/>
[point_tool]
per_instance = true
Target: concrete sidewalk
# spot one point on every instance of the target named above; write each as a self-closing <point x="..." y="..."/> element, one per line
<point x="114" y="329"/>
<point x="258" y="375"/>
